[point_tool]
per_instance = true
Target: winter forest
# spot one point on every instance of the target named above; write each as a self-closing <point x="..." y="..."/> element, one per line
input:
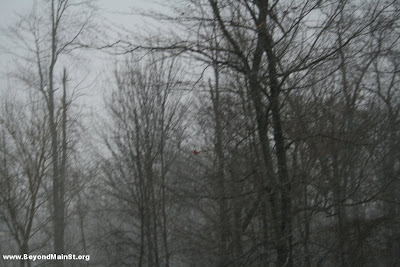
<point x="221" y="133"/>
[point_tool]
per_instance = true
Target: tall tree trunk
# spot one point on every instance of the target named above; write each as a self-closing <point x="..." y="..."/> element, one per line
<point x="223" y="215"/>
<point x="58" y="201"/>
<point x="285" y="236"/>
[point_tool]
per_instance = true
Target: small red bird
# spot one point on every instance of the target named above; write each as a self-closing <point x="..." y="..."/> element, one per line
<point x="195" y="152"/>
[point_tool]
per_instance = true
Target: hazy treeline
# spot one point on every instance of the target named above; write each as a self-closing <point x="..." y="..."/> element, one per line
<point x="244" y="133"/>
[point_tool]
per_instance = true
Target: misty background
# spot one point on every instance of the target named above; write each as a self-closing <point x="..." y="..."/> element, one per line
<point x="200" y="132"/>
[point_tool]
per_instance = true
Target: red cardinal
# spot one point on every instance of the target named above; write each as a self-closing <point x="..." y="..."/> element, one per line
<point x="195" y="152"/>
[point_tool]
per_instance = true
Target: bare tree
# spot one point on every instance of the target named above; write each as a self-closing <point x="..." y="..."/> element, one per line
<point x="25" y="162"/>
<point x="253" y="133"/>
<point x="278" y="48"/>
<point x="146" y="115"/>
<point x="45" y="37"/>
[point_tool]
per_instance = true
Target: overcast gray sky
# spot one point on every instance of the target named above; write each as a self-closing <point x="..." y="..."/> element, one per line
<point x="119" y="12"/>
<point x="8" y="8"/>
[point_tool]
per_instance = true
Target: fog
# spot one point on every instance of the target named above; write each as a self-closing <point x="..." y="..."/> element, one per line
<point x="199" y="133"/>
